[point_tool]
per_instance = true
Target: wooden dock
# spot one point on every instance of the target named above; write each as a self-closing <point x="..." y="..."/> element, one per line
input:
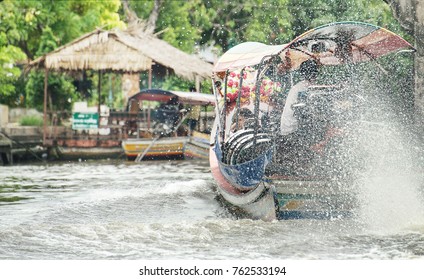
<point x="19" y="146"/>
<point x="5" y="150"/>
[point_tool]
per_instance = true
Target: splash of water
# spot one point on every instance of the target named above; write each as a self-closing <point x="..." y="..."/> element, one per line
<point x="388" y="183"/>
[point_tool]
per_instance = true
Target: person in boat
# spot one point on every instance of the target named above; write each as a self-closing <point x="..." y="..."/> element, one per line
<point x="193" y="116"/>
<point x="294" y="142"/>
<point x="303" y="137"/>
<point x="245" y="116"/>
<point x="309" y="72"/>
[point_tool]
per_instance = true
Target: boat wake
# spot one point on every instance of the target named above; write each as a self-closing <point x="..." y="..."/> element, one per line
<point x="105" y="211"/>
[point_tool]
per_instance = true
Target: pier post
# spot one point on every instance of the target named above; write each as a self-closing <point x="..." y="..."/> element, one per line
<point x="4" y="158"/>
<point x="46" y="76"/>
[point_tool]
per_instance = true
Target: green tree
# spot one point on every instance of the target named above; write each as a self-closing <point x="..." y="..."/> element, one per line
<point x="226" y="23"/>
<point x="10" y="56"/>
<point x="37" y="27"/>
<point x="177" y="23"/>
<point x="9" y="71"/>
<point x="234" y="22"/>
<point x="309" y="14"/>
<point x="60" y="86"/>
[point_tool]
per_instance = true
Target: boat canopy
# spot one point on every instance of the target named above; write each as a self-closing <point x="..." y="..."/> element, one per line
<point x="331" y="44"/>
<point x="163" y="96"/>
<point x="245" y="54"/>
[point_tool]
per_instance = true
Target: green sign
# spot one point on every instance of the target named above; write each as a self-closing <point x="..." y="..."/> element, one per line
<point x="85" y="120"/>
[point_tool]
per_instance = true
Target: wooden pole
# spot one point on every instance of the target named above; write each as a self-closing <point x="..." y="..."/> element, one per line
<point x="197" y="83"/>
<point x="150" y="77"/>
<point x="46" y="75"/>
<point x="99" y="90"/>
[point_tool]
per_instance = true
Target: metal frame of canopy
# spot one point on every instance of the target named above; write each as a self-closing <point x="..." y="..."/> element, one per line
<point x="367" y="42"/>
<point x="163" y="96"/>
<point x="191" y="98"/>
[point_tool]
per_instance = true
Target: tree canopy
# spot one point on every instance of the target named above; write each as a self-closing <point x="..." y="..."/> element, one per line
<point x="29" y="29"/>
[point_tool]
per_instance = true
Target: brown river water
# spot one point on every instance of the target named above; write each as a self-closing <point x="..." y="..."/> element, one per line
<point x="157" y="210"/>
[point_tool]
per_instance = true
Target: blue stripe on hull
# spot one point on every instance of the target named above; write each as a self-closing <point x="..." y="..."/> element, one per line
<point x="316" y="215"/>
<point x="246" y="175"/>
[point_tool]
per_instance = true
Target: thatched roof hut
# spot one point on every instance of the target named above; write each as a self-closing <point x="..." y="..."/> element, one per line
<point x="122" y="51"/>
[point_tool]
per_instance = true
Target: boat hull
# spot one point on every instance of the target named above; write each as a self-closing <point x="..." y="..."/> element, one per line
<point x="257" y="203"/>
<point x="193" y="147"/>
<point x="309" y="199"/>
<point x="72" y="153"/>
<point x="284" y="198"/>
<point x="198" y="146"/>
<point x="169" y="147"/>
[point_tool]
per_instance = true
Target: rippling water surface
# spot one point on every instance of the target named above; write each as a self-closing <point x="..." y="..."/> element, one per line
<point x="169" y="210"/>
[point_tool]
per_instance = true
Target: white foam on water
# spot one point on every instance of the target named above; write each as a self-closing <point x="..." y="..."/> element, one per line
<point x="391" y="204"/>
<point x="183" y="187"/>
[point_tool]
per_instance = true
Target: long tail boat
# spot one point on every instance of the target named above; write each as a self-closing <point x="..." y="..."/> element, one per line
<point x="267" y="174"/>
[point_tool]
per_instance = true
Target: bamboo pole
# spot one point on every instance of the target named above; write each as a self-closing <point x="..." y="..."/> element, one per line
<point x="99" y="91"/>
<point x="46" y="75"/>
<point x="150" y="77"/>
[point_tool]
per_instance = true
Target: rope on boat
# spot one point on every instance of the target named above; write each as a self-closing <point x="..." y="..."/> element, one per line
<point x="140" y="156"/>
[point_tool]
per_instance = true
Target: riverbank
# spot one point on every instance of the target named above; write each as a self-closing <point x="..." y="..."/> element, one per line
<point x="25" y="143"/>
<point x="20" y="143"/>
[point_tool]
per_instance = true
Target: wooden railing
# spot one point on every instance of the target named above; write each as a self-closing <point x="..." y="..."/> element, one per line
<point x="113" y="128"/>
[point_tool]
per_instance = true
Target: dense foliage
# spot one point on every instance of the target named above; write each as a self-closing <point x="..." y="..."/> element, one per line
<point x="29" y="29"/>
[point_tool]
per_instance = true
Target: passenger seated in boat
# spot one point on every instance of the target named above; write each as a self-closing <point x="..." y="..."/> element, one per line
<point x="245" y="116"/>
<point x="330" y="133"/>
<point x="341" y="112"/>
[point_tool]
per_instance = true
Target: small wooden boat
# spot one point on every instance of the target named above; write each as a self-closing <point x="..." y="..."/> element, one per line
<point x="197" y="146"/>
<point x="164" y="148"/>
<point x="160" y="127"/>
<point x="268" y="173"/>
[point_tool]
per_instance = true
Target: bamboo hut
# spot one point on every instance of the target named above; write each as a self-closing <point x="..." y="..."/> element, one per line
<point x="123" y="52"/>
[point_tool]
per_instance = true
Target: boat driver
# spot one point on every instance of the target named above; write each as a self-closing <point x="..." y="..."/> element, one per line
<point x="294" y="143"/>
<point x="308" y="71"/>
